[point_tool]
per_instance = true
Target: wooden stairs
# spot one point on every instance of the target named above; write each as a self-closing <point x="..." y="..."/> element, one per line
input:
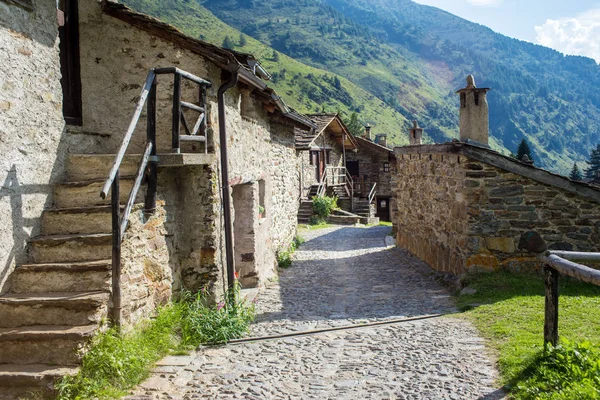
<point x="60" y="298"/>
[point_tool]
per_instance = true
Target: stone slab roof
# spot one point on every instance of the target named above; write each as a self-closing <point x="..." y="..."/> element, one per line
<point x="322" y="121"/>
<point x="369" y="144"/>
<point x="506" y="163"/>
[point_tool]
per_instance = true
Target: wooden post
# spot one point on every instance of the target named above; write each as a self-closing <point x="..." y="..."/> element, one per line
<point x="176" y="112"/>
<point x="150" y="201"/>
<point x="551" y="308"/>
<point x="116" y="252"/>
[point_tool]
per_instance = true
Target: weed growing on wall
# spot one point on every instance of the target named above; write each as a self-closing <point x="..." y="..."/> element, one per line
<point x="203" y="323"/>
<point x="284" y="257"/>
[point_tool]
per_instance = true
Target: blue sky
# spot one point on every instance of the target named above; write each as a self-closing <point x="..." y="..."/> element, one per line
<point x="570" y="26"/>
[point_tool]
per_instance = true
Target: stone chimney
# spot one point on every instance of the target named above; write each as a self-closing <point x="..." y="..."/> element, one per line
<point x="381" y="139"/>
<point x="368" y="132"/>
<point x="415" y="134"/>
<point x="474" y="115"/>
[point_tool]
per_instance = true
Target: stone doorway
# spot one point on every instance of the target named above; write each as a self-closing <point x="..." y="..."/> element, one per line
<point x="244" y="236"/>
<point x="69" y="61"/>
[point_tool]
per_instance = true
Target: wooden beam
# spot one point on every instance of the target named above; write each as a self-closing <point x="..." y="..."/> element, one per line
<point x="551" y="306"/>
<point x="574" y="270"/>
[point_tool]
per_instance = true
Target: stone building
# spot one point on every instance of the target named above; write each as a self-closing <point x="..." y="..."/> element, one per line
<point x="59" y="144"/>
<point x="372" y="167"/>
<point x="462" y="206"/>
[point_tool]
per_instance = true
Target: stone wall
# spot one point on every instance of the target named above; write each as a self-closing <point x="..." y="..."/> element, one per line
<point x="336" y="159"/>
<point x="432" y="210"/>
<point x="31" y="125"/>
<point x="463" y="208"/>
<point x="146" y="274"/>
<point x="115" y="60"/>
<point x="512" y="218"/>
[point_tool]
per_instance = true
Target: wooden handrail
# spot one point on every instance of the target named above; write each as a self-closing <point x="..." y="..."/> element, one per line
<point x="149" y="162"/>
<point x="130" y="129"/>
<point x="372" y="192"/>
<point x="556" y="263"/>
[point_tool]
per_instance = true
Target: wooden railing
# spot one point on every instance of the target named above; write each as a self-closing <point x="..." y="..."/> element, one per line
<point x="563" y="262"/>
<point x="372" y="193"/>
<point x="148" y="161"/>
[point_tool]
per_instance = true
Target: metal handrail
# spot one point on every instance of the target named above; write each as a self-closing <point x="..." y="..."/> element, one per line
<point x="562" y="262"/>
<point x="350" y="190"/>
<point x="372" y="192"/>
<point x="149" y="162"/>
<point x="322" y="185"/>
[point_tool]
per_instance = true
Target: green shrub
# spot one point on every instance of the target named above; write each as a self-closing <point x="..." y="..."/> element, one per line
<point x="567" y="371"/>
<point x="324" y="205"/>
<point x="203" y="323"/>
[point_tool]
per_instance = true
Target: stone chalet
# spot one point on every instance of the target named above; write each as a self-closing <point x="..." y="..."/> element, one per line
<point x="128" y="148"/>
<point x="462" y="206"/>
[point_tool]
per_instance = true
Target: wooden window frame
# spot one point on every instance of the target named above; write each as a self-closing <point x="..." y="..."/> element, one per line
<point x="386" y="167"/>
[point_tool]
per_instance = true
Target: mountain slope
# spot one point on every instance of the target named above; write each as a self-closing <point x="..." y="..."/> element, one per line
<point x="305" y="88"/>
<point x="413" y="57"/>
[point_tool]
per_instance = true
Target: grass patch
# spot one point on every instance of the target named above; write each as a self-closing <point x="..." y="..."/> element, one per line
<point x="117" y="362"/>
<point x="385" y="223"/>
<point x="284" y="257"/>
<point x="510" y="313"/>
<point x="318" y="225"/>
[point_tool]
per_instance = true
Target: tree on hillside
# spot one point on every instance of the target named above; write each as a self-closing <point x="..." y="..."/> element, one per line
<point x="524" y="149"/>
<point x="354" y="125"/>
<point x="228" y="43"/>
<point x="243" y="40"/>
<point x="275" y="56"/>
<point x="575" y="174"/>
<point x="594" y="163"/>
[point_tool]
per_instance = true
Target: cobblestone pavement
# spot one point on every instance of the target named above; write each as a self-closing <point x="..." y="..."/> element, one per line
<point x="341" y="276"/>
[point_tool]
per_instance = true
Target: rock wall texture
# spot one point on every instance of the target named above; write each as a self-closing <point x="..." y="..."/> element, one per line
<point x="31" y="125"/>
<point x="459" y="213"/>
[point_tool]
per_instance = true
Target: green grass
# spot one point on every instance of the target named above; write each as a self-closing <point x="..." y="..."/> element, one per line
<point x="309" y="227"/>
<point x="508" y="309"/>
<point x="117" y="362"/>
<point x="385" y="223"/>
<point x="284" y="256"/>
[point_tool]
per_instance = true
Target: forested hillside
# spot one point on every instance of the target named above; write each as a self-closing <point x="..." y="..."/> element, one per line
<point x="407" y="59"/>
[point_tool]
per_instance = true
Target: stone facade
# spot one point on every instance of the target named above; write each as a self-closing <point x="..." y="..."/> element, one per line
<point x="463" y="207"/>
<point x="31" y="125"/>
<point x="308" y="169"/>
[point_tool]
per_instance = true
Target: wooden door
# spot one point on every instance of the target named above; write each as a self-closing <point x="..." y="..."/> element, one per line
<point x="383" y="208"/>
<point x="69" y="62"/>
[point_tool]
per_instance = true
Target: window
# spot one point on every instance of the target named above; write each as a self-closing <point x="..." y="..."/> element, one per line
<point x="386" y="167"/>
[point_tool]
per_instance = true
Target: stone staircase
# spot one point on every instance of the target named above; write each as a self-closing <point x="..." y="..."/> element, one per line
<point x="362" y="207"/>
<point x="305" y="211"/>
<point x="60" y="298"/>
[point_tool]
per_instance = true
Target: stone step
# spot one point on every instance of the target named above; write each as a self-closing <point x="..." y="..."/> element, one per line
<point x="74" y="308"/>
<point x="62" y="277"/>
<point x="87" y="193"/>
<point x="55" y="345"/>
<point x="70" y="248"/>
<point x="31" y="381"/>
<point x="83" y="167"/>
<point x="65" y="221"/>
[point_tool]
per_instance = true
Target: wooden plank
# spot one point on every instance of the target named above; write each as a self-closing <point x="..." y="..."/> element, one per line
<point x="190" y="138"/>
<point x="184" y="159"/>
<point x="116" y="252"/>
<point x="176" y="128"/>
<point x="572" y="269"/>
<point x="184" y="74"/>
<point x="576" y="255"/>
<point x="198" y="125"/>
<point x="551" y="306"/>
<point x="192" y="106"/>
<point x="127" y="138"/>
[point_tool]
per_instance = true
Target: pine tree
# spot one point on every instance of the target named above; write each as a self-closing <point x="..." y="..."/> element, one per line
<point x="228" y="43"/>
<point x="354" y="125"/>
<point x="594" y="163"/>
<point x="275" y="56"/>
<point x="575" y="174"/>
<point x="243" y="40"/>
<point x="524" y="149"/>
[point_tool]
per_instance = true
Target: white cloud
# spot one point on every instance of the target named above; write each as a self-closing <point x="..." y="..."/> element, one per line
<point x="578" y="35"/>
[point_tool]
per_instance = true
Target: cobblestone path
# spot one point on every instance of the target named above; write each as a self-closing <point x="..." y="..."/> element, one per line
<point x="341" y="276"/>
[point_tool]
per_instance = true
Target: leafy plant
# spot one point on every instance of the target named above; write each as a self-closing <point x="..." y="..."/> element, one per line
<point x="116" y="362"/>
<point x="204" y="323"/>
<point x="284" y="257"/>
<point x="568" y="371"/>
<point x="324" y="205"/>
